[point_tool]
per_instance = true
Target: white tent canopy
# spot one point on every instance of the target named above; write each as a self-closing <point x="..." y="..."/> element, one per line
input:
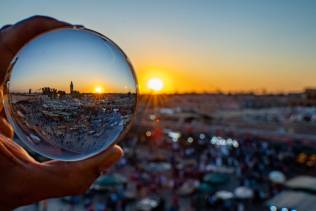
<point x="243" y="192"/>
<point x="224" y="195"/>
<point x="293" y="200"/>
<point x="302" y="183"/>
<point x="277" y="177"/>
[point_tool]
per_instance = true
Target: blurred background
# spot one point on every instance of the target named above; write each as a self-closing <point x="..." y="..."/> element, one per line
<point x="227" y="108"/>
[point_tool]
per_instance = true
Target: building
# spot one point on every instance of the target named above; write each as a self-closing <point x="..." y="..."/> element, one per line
<point x="71" y="87"/>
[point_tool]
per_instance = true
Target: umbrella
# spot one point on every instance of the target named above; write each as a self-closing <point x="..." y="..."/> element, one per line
<point x="277" y="177"/>
<point x="219" y="169"/>
<point x="108" y="181"/>
<point x="188" y="187"/>
<point x="243" y="192"/>
<point x="216" y="178"/>
<point x="147" y="204"/>
<point x="159" y="167"/>
<point x="205" y="188"/>
<point x="130" y="194"/>
<point x="224" y="195"/>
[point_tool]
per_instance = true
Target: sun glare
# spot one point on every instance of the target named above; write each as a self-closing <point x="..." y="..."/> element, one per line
<point x="98" y="90"/>
<point x="155" y="84"/>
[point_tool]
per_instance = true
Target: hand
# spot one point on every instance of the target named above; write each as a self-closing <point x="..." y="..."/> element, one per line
<point x="23" y="180"/>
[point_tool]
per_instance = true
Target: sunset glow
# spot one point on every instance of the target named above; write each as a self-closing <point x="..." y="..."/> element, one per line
<point x="98" y="90"/>
<point x="155" y="84"/>
<point x="216" y="47"/>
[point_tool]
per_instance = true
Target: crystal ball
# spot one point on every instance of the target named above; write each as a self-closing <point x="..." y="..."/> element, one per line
<point x="70" y="94"/>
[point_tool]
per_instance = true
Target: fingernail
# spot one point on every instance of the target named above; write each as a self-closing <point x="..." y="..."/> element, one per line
<point x="112" y="157"/>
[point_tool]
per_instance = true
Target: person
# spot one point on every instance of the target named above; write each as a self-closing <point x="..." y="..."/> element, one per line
<point x="23" y="180"/>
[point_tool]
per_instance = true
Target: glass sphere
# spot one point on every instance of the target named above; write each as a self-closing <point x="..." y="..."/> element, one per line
<point x="70" y="94"/>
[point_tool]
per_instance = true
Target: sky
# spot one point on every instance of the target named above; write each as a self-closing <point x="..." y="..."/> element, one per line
<point x="203" y="45"/>
<point x="90" y="62"/>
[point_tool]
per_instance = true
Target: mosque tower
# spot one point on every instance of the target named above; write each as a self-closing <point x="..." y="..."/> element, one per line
<point x="71" y="87"/>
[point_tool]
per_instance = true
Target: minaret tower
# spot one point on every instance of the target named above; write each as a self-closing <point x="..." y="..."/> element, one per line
<point x="71" y="87"/>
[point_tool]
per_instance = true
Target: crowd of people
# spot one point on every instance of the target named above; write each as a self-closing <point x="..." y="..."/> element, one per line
<point x="197" y="171"/>
<point x="54" y="121"/>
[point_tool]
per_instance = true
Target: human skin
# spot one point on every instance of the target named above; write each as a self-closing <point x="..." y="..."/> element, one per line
<point x="24" y="180"/>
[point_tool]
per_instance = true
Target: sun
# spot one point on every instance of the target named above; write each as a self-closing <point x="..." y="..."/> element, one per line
<point x="98" y="90"/>
<point x="155" y="84"/>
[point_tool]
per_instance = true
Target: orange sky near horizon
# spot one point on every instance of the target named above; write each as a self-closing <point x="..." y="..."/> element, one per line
<point x="199" y="46"/>
<point x="216" y="75"/>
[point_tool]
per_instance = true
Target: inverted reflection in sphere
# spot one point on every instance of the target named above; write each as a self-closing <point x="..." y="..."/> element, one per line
<point x="70" y="94"/>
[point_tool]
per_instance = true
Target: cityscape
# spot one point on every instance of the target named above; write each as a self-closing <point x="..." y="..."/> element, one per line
<point x="211" y="152"/>
<point x="203" y="105"/>
<point x="50" y="117"/>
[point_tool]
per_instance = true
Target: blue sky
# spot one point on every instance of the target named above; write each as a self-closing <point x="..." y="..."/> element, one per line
<point x="228" y="45"/>
<point x="59" y="57"/>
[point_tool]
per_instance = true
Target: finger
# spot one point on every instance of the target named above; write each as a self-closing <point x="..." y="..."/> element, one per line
<point x="102" y="161"/>
<point x="5" y="153"/>
<point x="76" y="177"/>
<point x="5" y="128"/>
<point x="20" y="154"/>
<point x="95" y="164"/>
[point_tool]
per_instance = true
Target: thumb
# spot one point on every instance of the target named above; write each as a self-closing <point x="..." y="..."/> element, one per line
<point x="76" y="177"/>
<point x="95" y="164"/>
<point x="101" y="161"/>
